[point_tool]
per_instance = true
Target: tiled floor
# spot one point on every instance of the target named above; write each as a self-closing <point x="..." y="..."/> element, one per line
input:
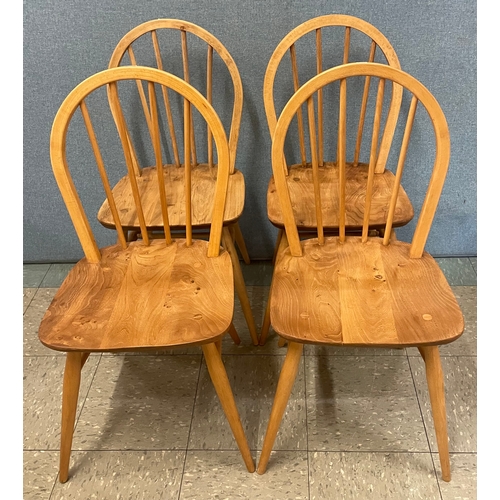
<point x="358" y="423"/>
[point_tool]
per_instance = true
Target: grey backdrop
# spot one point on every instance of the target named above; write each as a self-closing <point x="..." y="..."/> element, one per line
<point x="67" y="40"/>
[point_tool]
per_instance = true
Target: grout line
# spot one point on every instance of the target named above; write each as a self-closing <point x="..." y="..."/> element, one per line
<point x="190" y="427"/>
<point x="423" y="423"/>
<point x="307" y="427"/>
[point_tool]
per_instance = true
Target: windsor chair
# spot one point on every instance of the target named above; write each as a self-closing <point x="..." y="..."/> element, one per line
<point x="144" y="295"/>
<point x="357" y="40"/>
<point x="215" y="74"/>
<point x="364" y="290"/>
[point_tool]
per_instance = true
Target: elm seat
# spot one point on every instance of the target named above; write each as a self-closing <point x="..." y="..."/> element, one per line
<point x="144" y="295"/>
<point x="301" y="188"/>
<point x="363" y="290"/>
<point x="363" y="295"/>
<point x="203" y="178"/>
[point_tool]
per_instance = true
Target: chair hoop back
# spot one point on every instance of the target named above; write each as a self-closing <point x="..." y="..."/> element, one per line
<point x="125" y="45"/>
<point x="110" y="78"/>
<point x="420" y="95"/>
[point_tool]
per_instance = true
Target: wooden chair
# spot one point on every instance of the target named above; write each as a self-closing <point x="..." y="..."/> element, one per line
<point x="142" y="44"/>
<point x="362" y="290"/>
<point x="336" y="39"/>
<point x="149" y="294"/>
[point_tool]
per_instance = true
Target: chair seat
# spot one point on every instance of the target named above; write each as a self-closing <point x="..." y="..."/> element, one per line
<point x="363" y="294"/>
<point x="301" y="188"/>
<point x="203" y="182"/>
<point x="142" y="297"/>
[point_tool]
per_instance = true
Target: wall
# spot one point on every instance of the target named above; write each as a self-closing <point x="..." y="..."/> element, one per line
<point x="66" y="41"/>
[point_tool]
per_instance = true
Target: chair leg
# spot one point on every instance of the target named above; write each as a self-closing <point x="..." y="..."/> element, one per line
<point x="239" y="283"/>
<point x="435" y="383"/>
<point x="281" y="244"/>
<point x="223" y="388"/>
<point x="281" y="232"/>
<point x="285" y="384"/>
<point x="238" y="236"/>
<point x="71" y="386"/>
<point x="234" y="334"/>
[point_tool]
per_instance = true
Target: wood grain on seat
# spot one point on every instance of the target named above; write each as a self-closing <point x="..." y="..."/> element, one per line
<point x="301" y="187"/>
<point x="146" y="297"/>
<point x="203" y="179"/>
<point x="367" y="294"/>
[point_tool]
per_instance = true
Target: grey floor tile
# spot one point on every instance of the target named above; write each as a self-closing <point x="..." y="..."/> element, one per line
<point x="458" y="271"/>
<point x="321" y="350"/>
<point x="40" y="470"/>
<point x="253" y="381"/>
<point x="56" y="275"/>
<point x="473" y="261"/>
<point x="257" y="273"/>
<point x="28" y="294"/>
<point x="123" y="475"/>
<point x="377" y="476"/>
<point x="463" y="484"/>
<point x="257" y="295"/>
<point x="139" y="403"/>
<point x="42" y="393"/>
<point x="222" y="475"/>
<point x="365" y="403"/>
<point x="460" y="382"/>
<point x="33" y="274"/>
<point x="31" y="321"/>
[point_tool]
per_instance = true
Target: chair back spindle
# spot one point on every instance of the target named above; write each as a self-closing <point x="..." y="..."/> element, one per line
<point x="373" y="156"/>
<point x="315" y="169"/>
<point x="166" y="100"/>
<point x="159" y="161"/>
<point x="319" y="69"/>
<point x="399" y="169"/>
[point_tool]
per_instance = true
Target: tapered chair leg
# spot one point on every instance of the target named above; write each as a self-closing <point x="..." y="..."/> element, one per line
<point x="238" y="237"/>
<point x="285" y="384"/>
<point x="71" y="386"/>
<point x="282" y="244"/>
<point x="234" y="334"/>
<point x="435" y="382"/>
<point x="240" y="286"/>
<point x="281" y="232"/>
<point x="222" y="387"/>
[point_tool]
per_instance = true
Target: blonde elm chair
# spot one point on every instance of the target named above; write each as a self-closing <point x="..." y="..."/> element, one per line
<point x="364" y="290"/>
<point x="144" y="295"/>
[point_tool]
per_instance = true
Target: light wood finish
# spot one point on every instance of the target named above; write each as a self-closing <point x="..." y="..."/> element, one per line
<point x="365" y="290"/>
<point x="71" y="386"/>
<point x="223" y="388"/>
<point x="301" y="187"/>
<point x="285" y="385"/>
<point x="301" y="176"/>
<point x="435" y="382"/>
<point x="152" y="293"/>
<point x="239" y="283"/>
<point x="203" y="179"/>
